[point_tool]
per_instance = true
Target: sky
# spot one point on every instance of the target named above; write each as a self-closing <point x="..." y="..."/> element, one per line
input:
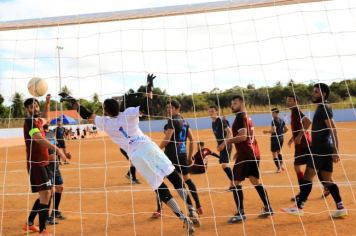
<point x="189" y="53"/>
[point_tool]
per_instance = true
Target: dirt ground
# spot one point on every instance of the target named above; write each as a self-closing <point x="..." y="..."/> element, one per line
<point x="98" y="200"/>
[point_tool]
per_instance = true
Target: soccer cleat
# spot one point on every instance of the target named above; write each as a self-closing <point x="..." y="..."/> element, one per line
<point x="279" y="170"/>
<point x="45" y="233"/>
<point x="194" y="218"/>
<point x="32" y="228"/>
<point x="51" y="221"/>
<point x="58" y="215"/>
<point x="188" y="224"/>
<point x="136" y="181"/>
<point x="237" y="218"/>
<point x="293" y="210"/>
<point x="339" y="213"/>
<point x="156" y="214"/>
<point x="265" y="212"/>
<point x="200" y="211"/>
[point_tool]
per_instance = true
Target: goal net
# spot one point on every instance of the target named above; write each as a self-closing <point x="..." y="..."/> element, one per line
<point x="202" y="55"/>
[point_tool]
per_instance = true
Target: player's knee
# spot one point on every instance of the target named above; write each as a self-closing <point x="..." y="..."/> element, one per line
<point x="186" y="177"/>
<point x="59" y="189"/>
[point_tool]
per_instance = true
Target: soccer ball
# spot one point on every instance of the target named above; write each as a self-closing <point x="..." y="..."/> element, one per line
<point x="37" y="87"/>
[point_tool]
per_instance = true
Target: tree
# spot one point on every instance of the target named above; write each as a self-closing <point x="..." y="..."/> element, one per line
<point x="17" y="109"/>
<point x="66" y="90"/>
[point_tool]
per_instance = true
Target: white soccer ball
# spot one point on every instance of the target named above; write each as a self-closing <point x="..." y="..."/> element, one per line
<point x="37" y="87"/>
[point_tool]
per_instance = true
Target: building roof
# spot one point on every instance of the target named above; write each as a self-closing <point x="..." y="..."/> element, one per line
<point x="71" y="113"/>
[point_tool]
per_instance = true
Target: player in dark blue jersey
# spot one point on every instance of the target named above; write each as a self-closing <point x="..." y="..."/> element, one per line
<point x="174" y="145"/>
<point x="277" y="131"/>
<point x="222" y="132"/>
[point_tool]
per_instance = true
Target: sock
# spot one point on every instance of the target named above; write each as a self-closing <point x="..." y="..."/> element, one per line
<point x="263" y="195"/>
<point x="33" y="213"/>
<point x="280" y="158"/>
<point x="276" y="162"/>
<point x="305" y="189"/>
<point x="175" y="208"/>
<point x="193" y="191"/>
<point x="334" y="191"/>
<point x="186" y="198"/>
<point x="228" y="172"/>
<point x="56" y="201"/>
<point x="300" y="176"/>
<point x="43" y="215"/>
<point x="133" y="172"/>
<point x="239" y="199"/>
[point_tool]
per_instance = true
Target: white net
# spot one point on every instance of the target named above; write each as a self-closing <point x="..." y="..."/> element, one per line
<point x="202" y="55"/>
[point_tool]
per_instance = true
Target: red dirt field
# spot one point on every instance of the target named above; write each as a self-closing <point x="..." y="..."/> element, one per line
<point x="98" y="200"/>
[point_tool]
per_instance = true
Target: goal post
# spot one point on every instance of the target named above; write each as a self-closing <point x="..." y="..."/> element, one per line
<point x="145" y="13"/>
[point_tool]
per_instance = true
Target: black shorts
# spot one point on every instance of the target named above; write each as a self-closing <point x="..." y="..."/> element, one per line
<point x="301" y="156"/>
<point x="321" y="160"/>
<point x="245" y="169"/>
<point x="51" y="151"/>
<point x="276" y="144"/>
<point x="180" y="162"/>
<point x="61" y="143"/>
<point x="225" y="156"/>
<point x="56" y="174"/>
<point x="40" y="178"/>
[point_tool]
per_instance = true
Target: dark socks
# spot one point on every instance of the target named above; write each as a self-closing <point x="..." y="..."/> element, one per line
<point x="193" y="191"/>
<point x="305" y="189"/>
<point x="133" y="172"/>
<point x="300" y="176"/>
<point x="43" y="215"/>
<point x="56" y="201"/>
<point x="263" y="195"/>
<point x="334" y="191"/>
<point x="33" y="213"/>
<point x="228" y="172"/>
<point x="239" y="199"/>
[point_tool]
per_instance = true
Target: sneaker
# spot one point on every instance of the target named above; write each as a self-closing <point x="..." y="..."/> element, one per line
<point x="51" y="221"/>
<point x="156" y="214"/>
<point x="58" y="215"/>
<point x="295" y="199"/>
<point x="136" y="181"/>
<point x="194" y="218"/>
<point x="293" y="210"/>
<point x="188" y="224"/>
<point x="339" y="213"/>
<point x="32" y="228"/>
<point x="128" y="176"/>
<point x="45" y="233"/>
<point x="265" y="212"/>
<point x="200" y="211"/>
<point x="237" y="218"/>
<point x="279" y="170"/>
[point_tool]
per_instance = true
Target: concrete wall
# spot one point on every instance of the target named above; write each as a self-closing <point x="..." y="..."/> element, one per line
<point x="343" y="115"/>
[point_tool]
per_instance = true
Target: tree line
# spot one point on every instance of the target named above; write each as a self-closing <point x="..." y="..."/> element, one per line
<point x="262" y="96"/>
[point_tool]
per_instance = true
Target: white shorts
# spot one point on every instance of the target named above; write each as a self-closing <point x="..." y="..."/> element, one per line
<point x="151" y="162"/>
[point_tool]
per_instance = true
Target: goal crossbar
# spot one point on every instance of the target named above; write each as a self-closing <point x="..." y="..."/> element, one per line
<point x="145" y="13"/>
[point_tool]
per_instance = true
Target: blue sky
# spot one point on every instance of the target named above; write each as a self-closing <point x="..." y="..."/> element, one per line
<point x="193" y="53"/>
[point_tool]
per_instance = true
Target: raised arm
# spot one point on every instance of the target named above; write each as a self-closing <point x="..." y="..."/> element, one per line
<point x="83" y="111"/>
<point x="47" y="108"/>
